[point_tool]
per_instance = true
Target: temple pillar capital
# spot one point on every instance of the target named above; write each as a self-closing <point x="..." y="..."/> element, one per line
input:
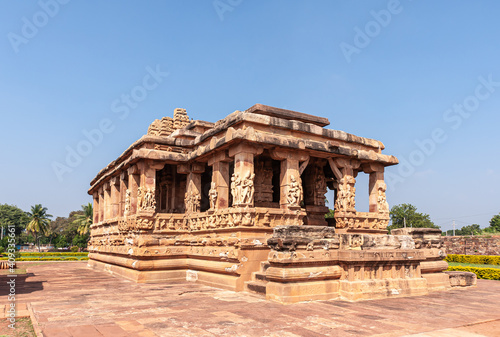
<point x="245" y="148"/>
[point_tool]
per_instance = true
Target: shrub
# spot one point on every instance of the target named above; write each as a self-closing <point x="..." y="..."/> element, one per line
<point x="482" y="273"/>
<point x="473" y="259"/>
<point x="75" y="249"/>
<point x="56" y="254"/>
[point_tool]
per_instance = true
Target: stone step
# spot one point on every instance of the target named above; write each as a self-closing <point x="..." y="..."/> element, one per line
<point x="259" y="276"/>
<point x="256" y="286"/>
<point x="264" y="265"/>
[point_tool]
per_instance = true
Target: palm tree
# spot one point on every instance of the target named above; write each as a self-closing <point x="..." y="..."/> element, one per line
<point x="39" y="222"/>
<point x="84" y="220"/>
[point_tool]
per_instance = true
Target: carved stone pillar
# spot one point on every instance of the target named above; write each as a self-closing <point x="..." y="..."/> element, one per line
<point x="242" y="181"/>
<point x="291" y="193"/>
<point x="123" y="193"/>
<point x="133" y="186"/>
<point x="115" y="196"/>
<point x="192" y="197"/>
<point x="96" y="207"/>
<point x="314" y="193"/>
<point x="346" y="192"/>
<point x="146" y="192"/>
<point x="101" y="204"/>
<point x="263" y="181"/>
<point x="220" y="180"/>
<point x="379" y="208"/>
<point x="345" y="202"/>
<point x="315" y="183"/>
<point x="107" y="200"/>
<point x="377" y="188"/>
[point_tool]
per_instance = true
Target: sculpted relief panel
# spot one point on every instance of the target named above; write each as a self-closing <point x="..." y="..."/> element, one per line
<point x="242" y="189"/>
<point x="295" y="192"/>
<point x="383" y="205"/>
<point x="127" y="203"/>
<point x="212" y="195"/>
<point x="146" y="200"/>
<point x="346" y="194"/>
<point x="192" y="201"/>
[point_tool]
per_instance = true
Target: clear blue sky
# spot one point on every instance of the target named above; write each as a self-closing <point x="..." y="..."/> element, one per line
<point x="401" y="80"/>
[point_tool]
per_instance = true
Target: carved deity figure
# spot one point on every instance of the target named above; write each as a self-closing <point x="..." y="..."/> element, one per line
<point x="247" y="189"/>
<point x="146" y="200"/>
<point x="127" y="203"/>
<point x="192" y="202"/>
<point x="235" y="187"/>
<point x="212" y="194"/>
<point x="383" y="205"/>
<point x="321" y="189"/>
<point x="242" y="189"/>
<point x="295" y="192"/>
<point x="351" y="201"/>
<point x="346" y="197"/>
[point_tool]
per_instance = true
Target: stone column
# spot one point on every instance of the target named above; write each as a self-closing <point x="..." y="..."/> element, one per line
<point x="345" y="201"/>
<point x="242" y="181"/>
<point x="123" y="193"/>
<point x="95" y="196"/>
<point x="101" y="203"/>
<point x="220" y="179"/>
<point x="115" y="196"/>
<point x="133" y="186"/>
<point x="291" y="193"/>
<point x="146" y="199"/>
<point x="346" y="193"/>
<point x="377" y="187"/>
<point x="107" y="200"/>
<point x="192" y="197"/>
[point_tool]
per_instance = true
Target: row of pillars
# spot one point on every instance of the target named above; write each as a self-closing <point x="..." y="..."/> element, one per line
<point x="111" y="199"/>
<point x="345" y="172"/>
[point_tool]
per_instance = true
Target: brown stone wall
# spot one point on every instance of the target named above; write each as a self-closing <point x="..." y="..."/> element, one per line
<point x="472" y="245"/>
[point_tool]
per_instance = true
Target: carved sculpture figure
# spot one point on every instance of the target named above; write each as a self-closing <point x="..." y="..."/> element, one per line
<point x="146" y="200"/>
<point x="247" y="189"/>
<point x="351" y="201"/>
<point x="383" y="205"/>
<point x="295" y="192"/>
<point x="212" y="194"/>
<point x="346" y="194"/>
<point x="235" y="182"/>
<point x="192" y="202"/>
<point x="242" y="190"/>
<point x="127" y="203"/>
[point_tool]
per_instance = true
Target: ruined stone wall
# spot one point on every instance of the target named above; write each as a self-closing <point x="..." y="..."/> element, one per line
<point x="472" y="245"/>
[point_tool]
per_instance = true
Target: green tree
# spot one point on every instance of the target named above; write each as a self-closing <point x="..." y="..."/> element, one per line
<point x="469" y="230"/>
<point x="413" y="219"/>
<point x="39" y="222"/>
<point x="81" y="240"/>
<point x="83" y="221"/>
<point x="61" y="242"/>
<point x="12" y="215"/>
<point x="495" y="223"/>
<point x="330" y="214"/>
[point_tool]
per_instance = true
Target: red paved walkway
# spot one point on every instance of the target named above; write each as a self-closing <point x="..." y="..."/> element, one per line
<point x="68" y="299"/>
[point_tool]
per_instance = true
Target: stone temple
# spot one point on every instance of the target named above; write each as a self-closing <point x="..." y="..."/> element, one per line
<point x="240" y="204"/>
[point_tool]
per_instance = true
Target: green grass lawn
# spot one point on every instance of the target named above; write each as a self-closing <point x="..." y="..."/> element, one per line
<point x="50" y="256"/>
<point x="18" y="271"/>
<point x="474" y="265"/>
